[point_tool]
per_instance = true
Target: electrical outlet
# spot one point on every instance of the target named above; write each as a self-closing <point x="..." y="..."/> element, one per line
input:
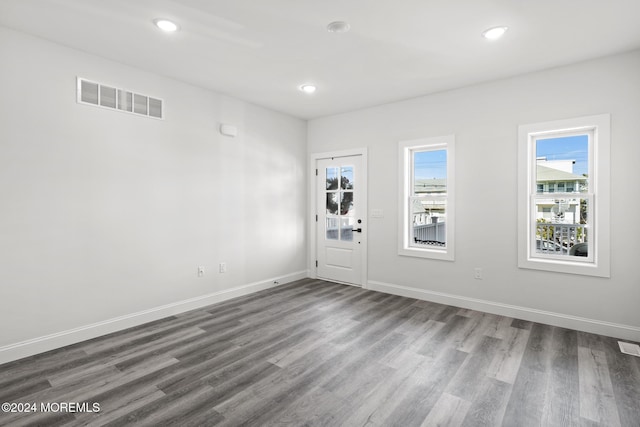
<point x="200" y="271"/>
<point x="477" y="273"/>
<point x="223" y="267"/>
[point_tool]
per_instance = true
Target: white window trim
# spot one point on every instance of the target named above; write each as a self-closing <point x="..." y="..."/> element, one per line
<point x="599" y="170"/>
<point x="405" y="171"/>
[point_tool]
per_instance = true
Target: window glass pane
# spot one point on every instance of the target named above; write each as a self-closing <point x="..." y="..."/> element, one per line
<point x="563" y="159"/>
<point x="425" y="208"/>
<point x="346" y="178"/>
<point x="585" y="209"/>
<point x="428" y="222"/>
<point x="426" y="178"/>
<point x="332" y="178"/>
<point x="346" y="203"/>
<point x="561" y="230"/>
<point x="346" y="229"/>
<point x="430" y="172"/>
<point x="558" y="210"/>
<point x="108" y="96"/>
<point x="125" y="100"/>
<point x="332" y="228"/>
<point x="140" y="104"/>
<point x="89" y="92"/>
<point x="561" y="226"/>
<point x="332" y="203"/>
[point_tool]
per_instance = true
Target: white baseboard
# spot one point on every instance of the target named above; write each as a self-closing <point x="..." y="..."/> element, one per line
<point x="615" y="330"/>
<point x="33" y="346"/>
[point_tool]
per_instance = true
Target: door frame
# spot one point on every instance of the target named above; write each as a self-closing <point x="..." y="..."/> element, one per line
<point x="311" y="229"/>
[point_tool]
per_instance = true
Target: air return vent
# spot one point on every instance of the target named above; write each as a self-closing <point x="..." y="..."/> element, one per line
<point x="105" y="96"/>
<point x="629" y="348"/>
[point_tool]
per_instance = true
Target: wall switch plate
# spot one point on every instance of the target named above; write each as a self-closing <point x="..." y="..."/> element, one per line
<point x="223" y="267"/>
<point x="200" y="271"/>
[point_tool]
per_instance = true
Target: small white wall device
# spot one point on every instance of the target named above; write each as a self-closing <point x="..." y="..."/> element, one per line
<point x="228" y="130"/>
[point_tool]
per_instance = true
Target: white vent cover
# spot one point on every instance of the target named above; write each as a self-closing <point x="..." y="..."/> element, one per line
<point x="628" y="348"/>
<point x="105" y="96"/>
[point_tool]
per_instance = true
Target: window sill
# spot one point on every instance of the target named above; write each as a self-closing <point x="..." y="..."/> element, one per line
<point x="567" y="267"/>
<point x="438" y="254"/>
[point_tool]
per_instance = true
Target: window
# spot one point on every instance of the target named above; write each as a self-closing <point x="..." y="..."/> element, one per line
<point x="426" y="225"/>
<point x="340" y="209"/>
<point x="564" y="227"/>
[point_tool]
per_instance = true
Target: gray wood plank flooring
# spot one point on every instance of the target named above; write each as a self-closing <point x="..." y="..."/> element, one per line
<point x="315" y="353"/>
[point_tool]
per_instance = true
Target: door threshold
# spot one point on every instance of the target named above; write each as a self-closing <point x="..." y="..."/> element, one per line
<point x="340" y="282"/>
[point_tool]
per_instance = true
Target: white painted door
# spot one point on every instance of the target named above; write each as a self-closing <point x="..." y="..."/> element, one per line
<point x="340" y="227"/>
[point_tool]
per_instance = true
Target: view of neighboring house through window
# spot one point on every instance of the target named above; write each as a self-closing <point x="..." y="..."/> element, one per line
<point x="427" y="204"/>
<point x="564" y="196"/>
<point x="562" y="216"/>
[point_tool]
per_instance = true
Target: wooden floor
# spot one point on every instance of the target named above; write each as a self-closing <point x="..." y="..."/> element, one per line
<point x="318" y="353"/>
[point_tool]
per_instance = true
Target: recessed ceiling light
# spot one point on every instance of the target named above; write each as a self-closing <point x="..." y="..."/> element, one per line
<point x="308" y="88"/>
<point x="494" y="33"/>
<point x="166" y="25"/>
<point x="338" y="27"/>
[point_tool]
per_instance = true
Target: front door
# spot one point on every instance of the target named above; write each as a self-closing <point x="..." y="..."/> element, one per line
<point x="340" y="227"/>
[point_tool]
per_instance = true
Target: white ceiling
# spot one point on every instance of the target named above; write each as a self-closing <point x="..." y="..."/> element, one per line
<point x="262" y="50"/>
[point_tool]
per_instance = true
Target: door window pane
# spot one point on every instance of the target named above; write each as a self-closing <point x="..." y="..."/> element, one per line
<point x="346" y="178"/>
<point x="346" y="203"/>
<point x="346" y="229"/>
<point x="339" y="203"/>
<point x="332" y="229"/>
<point x="332" y="178"/>
<point x="332" y="203"/>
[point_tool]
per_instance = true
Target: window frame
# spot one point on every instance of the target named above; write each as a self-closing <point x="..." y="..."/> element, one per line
<point x="406" y="197"/>
<point x="597" y="263"/>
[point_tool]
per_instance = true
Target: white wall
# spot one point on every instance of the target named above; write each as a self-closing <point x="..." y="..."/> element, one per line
<point x="107" y="214"/>
<point x="485" y="119"/>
